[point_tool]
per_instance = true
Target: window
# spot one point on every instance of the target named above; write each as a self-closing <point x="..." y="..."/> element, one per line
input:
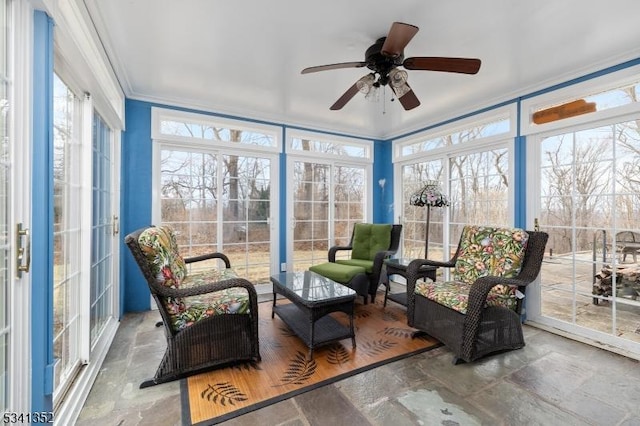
<point x="605" y="98"/>
<point x="589" y="192"/>
<point x="327" y="193"/>
<point x="199" y="128"/>
<point x="414" y="176"/>
<point x="217" y="193"/>
<point x="67" y="235"/>
<point x="601" y="101"/>
<point x="219" y="202"/>
<point x="482" y="129"/>
<point x="102" y="259"/>
<point x="479" y="188"/>
<point x="586" y="192"/>
<point x="471" y="159"/>
<point x="337" y="147"/>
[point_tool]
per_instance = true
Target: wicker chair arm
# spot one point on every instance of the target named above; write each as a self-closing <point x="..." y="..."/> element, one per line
<point x="477" y="300"/>
<point x="378" y="260"/>
<point x="380" y="257"/>
<point x="480" y="290"/>
<point x="207" y="256"/>
<point x="163" y="291"/>
<point x="414" y="266"/>
<point x="333" y="250"/>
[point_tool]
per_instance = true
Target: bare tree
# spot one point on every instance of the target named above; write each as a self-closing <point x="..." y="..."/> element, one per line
<point x="573" y="183"/>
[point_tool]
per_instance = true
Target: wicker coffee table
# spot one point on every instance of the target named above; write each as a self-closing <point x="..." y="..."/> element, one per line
<point x="313" y="297"/>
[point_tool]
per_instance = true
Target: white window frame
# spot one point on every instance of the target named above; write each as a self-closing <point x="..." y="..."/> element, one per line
<point x="535" y="135"/>
<point x="506" y="112"/>
<point x="160" y="114"/>
<point x="365" y="144"/>
<point x="161" y="141"/>
<point x="331" y="160"/>
<point x="20" y="48"/>
<point x="85" y="69"/>
<point x="576" y="91"/>
<point x="504" y="140"/>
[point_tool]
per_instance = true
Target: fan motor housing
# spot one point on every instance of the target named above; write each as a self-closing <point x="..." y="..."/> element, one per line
<point x="378" y="62"/>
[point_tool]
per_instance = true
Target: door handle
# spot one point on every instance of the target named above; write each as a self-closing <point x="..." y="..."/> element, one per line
<point x="115" y="225"/>
<point x="23" y="252"/>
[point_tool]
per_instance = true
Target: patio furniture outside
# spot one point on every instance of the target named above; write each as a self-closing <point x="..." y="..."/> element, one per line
<point x="628" y="242"/>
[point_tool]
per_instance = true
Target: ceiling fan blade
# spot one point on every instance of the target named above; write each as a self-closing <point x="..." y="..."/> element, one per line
<point x="399" y="36"/>
<point x="346" y="97"/>
<point x="460" y="65"/>
<point x="409" y="100"/>
<point x="333" y="67"/>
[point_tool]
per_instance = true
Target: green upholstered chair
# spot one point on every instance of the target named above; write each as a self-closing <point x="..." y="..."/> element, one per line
<point x="370" y="244"/>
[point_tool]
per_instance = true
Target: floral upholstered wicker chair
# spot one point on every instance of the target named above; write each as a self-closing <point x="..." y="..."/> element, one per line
<point x="210" y="318"/>
<point x="479" y="310"/>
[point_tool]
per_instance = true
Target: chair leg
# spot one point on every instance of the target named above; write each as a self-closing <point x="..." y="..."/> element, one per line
<point x="457" y="361"/>
<point x="418" y="334"/>
<point x="148" y="383"/>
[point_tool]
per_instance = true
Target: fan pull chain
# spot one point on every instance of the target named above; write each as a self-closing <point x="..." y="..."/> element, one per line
<point x="384" y="100"/>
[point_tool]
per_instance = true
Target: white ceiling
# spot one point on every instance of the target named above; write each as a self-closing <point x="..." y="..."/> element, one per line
<point x="244" y="57"/>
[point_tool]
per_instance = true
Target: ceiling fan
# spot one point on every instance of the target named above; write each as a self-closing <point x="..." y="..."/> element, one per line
<point x="385" y="56"/>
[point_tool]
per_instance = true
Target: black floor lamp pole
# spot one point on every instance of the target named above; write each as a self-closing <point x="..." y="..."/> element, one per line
<point x="426" y="231"/>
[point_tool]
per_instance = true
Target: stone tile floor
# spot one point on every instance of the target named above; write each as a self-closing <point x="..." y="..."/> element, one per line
<point x="552" y="381"/>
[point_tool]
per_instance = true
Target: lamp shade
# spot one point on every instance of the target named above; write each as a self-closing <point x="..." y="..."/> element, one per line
<point x="429" y="195"/>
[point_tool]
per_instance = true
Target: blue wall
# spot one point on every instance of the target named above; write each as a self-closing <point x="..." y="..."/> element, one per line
<point x="135" y="198"/>
<point x="42" y="217"/>
<point x="383" y="211"/>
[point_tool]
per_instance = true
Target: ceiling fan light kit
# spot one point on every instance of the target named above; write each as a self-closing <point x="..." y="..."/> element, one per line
<point x="384" y="57"/>
<point x="365" y="84"/>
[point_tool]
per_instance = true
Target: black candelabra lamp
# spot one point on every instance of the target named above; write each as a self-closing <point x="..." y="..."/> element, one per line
<point x="430" y="195"/>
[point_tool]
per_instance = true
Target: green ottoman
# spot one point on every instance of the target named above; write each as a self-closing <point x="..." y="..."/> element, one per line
<point x="354" y="277"/>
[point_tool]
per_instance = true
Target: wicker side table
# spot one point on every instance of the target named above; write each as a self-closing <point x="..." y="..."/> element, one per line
<point x="399" y="267"/>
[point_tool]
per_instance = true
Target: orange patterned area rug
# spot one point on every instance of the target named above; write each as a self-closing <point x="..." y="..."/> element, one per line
<point x="382" y="336"/>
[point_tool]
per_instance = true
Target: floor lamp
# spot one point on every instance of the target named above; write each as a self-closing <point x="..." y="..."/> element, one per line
<point x="430" y="195"/>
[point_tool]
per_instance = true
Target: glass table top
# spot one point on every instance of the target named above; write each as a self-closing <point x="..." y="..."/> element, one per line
<point x="310" y="286"/>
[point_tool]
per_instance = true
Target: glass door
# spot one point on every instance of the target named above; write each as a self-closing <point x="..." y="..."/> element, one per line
<point x="221" y="203"/>
<point x="80" y="289"/>
<point x="327" y="199"/>
<point x="103" y="230"/>
<point x="67" y="235"/>
<point x="6" y="246"/>
<point x="15" y="195"/>
<point x="310" y="214"/>
<point x="588" y="185"/>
